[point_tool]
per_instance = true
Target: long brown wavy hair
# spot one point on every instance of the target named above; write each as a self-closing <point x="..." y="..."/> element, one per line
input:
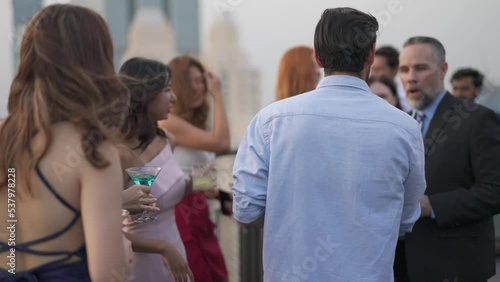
<point x="181" y="85"/>
<point x="294" y="75"/>
<point x="66" y="73"/>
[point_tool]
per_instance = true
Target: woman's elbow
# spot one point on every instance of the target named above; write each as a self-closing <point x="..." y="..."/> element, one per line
<point x="223" y="147"/>
<point x="122" y="273"/>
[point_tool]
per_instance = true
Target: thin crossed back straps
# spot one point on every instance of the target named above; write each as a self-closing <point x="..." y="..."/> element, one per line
<point x="24" y="247"/>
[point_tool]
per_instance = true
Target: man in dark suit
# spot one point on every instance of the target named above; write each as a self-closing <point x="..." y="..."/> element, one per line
<point x="454" y="238"/>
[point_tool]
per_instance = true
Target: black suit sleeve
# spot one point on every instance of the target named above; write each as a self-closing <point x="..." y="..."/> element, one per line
<point x="483" y="198"/>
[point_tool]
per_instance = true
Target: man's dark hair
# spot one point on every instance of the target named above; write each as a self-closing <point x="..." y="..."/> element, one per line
<point x="390" y="54"/>
<point x="477" y="77"/>
<point x="343" y="39"/>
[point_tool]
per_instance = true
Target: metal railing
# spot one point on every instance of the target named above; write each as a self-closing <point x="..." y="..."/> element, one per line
<point x="250" y="237"/>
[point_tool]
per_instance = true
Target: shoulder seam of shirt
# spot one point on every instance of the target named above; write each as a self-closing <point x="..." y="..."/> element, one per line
<point x="271" y="118"/>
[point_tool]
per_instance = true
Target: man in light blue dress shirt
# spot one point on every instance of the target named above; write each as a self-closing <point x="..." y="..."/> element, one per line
<point x="335" y="175"/>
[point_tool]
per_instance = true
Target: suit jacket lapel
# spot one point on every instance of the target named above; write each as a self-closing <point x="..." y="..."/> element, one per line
<point x="439" y="122"/>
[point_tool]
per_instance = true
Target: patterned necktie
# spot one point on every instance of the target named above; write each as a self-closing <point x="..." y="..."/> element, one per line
<point x="419" y="117"/>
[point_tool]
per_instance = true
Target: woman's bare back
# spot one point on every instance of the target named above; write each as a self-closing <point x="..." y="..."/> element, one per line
<point x="64" y="167"/>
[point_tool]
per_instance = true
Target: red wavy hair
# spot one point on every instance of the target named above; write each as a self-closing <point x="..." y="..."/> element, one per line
<point x="294" y="75"/>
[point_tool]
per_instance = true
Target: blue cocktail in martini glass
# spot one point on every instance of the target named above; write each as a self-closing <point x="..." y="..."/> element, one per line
<point x="144" y="175"/>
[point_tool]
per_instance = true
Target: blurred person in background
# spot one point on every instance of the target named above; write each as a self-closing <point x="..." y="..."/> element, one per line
<point x="57" y="156"/>
<point x="159" y="254"/>
<point x="386" y="64"/>
<point x="385" y="89"/>
<point x="298" y="72"/>
<point x="196" y="144"/>
<point x="466" y="83"/>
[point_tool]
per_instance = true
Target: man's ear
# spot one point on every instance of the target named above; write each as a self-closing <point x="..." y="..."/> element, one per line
<point x="320" y="65"/>
<point x="444" y="69"/>
<point x="371" y="55"/>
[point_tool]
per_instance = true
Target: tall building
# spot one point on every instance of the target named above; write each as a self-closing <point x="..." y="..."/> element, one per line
<point x="162" y="29"/>
<point x="240" y="81"/>
<point x="159" y="29"/>
<point x="151" y="35"/>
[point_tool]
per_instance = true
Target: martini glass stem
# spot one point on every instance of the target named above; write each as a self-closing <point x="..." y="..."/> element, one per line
<point x="144" y="216"/>
<point x="145" y="175"/>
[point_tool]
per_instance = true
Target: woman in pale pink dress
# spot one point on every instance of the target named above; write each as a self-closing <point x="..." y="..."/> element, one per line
<point x="159" y="253"/>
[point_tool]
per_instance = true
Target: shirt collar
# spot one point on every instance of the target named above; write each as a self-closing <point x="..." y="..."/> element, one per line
<point x="343" y="80"/>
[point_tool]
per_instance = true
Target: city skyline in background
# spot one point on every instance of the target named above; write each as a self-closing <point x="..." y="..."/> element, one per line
<point x="242" y="41"/>
<point x="264" y="30"/>
<point x="161" y="30"/>
<point x="467" y="30"/>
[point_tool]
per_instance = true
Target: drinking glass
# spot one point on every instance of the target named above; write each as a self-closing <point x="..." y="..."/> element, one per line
<point x="144" y="175"/>
<point x="204" y="176"/>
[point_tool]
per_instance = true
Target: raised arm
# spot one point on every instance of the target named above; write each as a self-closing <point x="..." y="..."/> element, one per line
<point x="188" y="135"/>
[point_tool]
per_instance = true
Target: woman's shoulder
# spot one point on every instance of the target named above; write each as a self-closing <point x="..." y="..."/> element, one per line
<point x="128" y="158"/>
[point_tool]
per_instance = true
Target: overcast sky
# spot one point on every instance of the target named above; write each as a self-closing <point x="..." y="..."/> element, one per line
<point x="467" y="29"/>
<point x="267" y="28"/>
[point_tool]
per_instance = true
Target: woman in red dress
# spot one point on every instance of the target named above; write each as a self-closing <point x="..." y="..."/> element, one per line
<point x="196" y="144"/>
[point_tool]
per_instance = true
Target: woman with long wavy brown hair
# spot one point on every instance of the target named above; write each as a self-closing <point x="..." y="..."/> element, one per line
<point x="196" y="144"/>
<point x="298" y="72"/>
<point x="58" y="167"/>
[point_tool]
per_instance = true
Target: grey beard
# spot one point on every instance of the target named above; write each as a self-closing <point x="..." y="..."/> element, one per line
<point x="422" y="103"/>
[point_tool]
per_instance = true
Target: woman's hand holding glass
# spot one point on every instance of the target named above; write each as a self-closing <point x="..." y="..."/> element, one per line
<point x="204" y="177"/>
<point x="138" y="198"/>
<point x="144" y="175"/>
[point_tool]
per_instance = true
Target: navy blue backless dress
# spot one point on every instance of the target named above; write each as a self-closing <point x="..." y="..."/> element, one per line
<point x="57" y="270"/>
